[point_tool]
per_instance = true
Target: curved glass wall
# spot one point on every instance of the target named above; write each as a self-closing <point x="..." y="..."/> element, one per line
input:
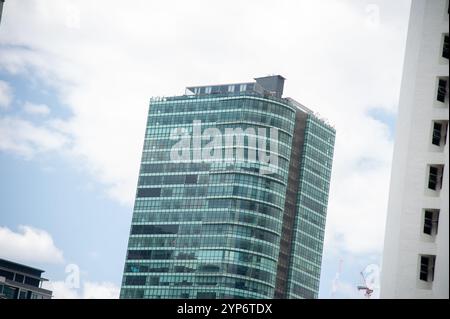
<point x="208" y="229"/>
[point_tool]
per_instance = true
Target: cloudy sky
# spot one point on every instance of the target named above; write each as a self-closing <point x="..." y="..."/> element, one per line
<point x="75" y="80"/>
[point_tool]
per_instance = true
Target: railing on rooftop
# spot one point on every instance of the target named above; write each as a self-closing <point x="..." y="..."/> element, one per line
<point x="286" y="101"/>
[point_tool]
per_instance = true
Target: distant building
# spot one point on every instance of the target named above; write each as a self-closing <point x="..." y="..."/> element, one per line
<point x="228" y="228"/>
<point x="19" y="281"/>
<point x="415" y="258"/>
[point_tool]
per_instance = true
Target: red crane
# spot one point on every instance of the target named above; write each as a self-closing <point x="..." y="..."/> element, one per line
<point x="367" y="291"/>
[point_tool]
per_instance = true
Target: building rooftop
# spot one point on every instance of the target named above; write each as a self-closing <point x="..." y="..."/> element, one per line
<point x="269" y="85"/>
<point x="18" y="281"/>
<point x="24" y="269"/>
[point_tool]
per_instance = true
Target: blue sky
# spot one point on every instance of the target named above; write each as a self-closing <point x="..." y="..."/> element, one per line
<point x="74" y="85"/>
<point x="50" y="192"/>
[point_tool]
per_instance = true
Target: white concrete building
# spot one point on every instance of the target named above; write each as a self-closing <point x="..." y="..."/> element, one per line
<point x="415" y="258"/>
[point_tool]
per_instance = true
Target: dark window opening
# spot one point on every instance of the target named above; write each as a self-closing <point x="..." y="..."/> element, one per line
<point x="433" y="179"/>
<point x="445" y="47"/>
<point x="139" y="254"/>
<point x="436" y="222"/>
<point x="133" y="293"/>
<point x="427" y="264"/>
<point x="153" y="281"/>
<point x="32" y="281"/>
<point x="149" y="192"/>
<point x="424" y="261"/>
<point x="149" y="254"/>
<point x="431" y="222"/>
<point x="10" y="292"/>
<point x="442" y="90"/>
<point x="437" y="134"/>
<point x="209" y="268"/>
<point x="135" y="280"/>
<point x="303" y="292"/>
<point x="206" y="295"/>
<point x="191" y="179"/>
<point x="154" y="229"/>
<point x="19" y="278"/>
<point x="428" y="223"/>
<point x="183" y="269"/>
<point x="7" y="274"/>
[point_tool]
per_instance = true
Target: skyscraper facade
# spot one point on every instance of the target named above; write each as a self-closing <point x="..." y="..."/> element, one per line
<point x="415" y="258"/>
<point x="216" y="217"/>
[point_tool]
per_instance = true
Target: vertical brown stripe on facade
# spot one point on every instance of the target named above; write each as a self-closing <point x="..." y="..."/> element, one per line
<point x="290" y="207"/>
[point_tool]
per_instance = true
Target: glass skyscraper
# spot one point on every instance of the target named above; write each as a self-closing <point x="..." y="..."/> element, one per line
<point x="225" y="227"/>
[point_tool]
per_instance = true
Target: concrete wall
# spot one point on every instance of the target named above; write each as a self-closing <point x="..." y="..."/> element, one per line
<point x="409" y="194"/>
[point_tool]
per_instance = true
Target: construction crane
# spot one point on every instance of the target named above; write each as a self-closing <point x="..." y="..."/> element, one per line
<point x="335" y="283"/>
<point x="365" y="287"/>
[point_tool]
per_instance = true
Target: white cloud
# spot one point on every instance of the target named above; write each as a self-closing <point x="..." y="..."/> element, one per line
<point x="27" y="139"/>
<point x="60" y="290"/>
<point x="104" y="290"/>
<point x="5" y="94"/>
<point x="36" y="109"/>
<point x="358" y="197"/>
<point x="91" y="290"/>
<point x="106" y="63"/>
<point x="29" y="245"/>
